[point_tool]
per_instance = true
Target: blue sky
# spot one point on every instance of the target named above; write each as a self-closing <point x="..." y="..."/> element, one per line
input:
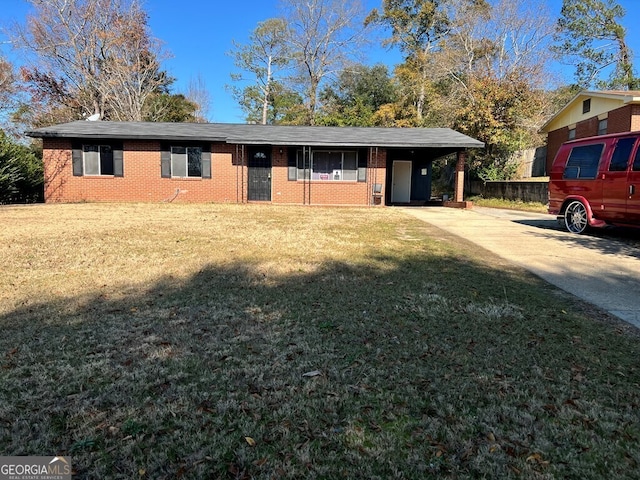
<point x="199" y="33"/>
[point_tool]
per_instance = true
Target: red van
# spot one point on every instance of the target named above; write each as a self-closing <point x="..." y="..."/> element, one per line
<point x="596" y="182"/>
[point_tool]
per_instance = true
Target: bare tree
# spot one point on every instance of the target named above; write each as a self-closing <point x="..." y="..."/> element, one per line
<point x="198" y="94"/>
<point x="7" y="84"/>
<point x="91" y="57"/>
<point x="324" y="36"/>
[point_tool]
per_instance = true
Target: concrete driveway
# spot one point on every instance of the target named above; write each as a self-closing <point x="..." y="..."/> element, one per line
<point x="601" y="267"/>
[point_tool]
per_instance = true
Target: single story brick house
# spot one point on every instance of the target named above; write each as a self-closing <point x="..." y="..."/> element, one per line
<point x="154" y="162"/>
<point x="592" y="113"/>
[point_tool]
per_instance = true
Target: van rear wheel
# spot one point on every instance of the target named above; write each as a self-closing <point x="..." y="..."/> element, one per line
<point x="575" y="217"/>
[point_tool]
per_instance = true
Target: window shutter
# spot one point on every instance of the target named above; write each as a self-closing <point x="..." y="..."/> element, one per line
<point x="206" y="161"/>
<point x="76" y="159"/>
<point x="165" y="162"/>
<point x="118" y="161"/>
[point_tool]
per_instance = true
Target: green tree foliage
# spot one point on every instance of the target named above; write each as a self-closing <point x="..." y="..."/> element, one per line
<point x="356" y="96"/>
<point x="21" y="172"/>
<point x="591" y="37"/>
<point x="166" y="107"/>
<point x="495" y="115"/>
<point x="285" y="105"/>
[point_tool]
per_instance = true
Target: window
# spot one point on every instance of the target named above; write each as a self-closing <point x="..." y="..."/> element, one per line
<point x="621" y="154"/>
<point x="329" y="165"/>
<point x="185" y="161"/>
<point x="602" y="127"/>
<point x="586" y="106"/>
<point x="636" y="161"/>
<point x="97" y="159"/>
<point x="583" y="161"/>
<point x="572" y="134"/>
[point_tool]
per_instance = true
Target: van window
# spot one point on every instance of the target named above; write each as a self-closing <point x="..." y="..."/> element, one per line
<point x="583" y="161"/>
<point x="636" y="162"/>
<point x="621" y="154"/>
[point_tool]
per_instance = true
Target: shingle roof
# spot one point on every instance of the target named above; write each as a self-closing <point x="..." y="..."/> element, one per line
<point x="263" y="134"/>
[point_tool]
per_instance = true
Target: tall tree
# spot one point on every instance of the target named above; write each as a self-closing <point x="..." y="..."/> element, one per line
<point x="591" y="37"/>
<point x="262" y="58"/>
<point x="90" y="57"/>
<point x="497" y="60"/>
<point x="324" y="37"/>
<point x="418" y="28"/>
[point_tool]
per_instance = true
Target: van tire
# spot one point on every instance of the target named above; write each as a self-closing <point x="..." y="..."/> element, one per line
<point x="576" y="217"/>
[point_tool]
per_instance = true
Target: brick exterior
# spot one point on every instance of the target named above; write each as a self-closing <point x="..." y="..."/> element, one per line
<point x="623" y="119"/>
<point x="619" y="120"/>
<point x="142" y="181"/>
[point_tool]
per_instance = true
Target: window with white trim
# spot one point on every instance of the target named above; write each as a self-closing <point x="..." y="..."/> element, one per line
<point x="186" y="162"/>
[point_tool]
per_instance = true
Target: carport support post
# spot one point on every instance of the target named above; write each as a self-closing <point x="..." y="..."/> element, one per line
<point x="458" y="195"/>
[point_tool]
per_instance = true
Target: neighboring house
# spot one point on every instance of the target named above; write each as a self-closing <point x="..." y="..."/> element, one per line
<point x="187" y="162"/>
<point x="592" y="113"/>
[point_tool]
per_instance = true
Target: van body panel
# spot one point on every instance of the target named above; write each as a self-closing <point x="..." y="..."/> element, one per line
<point x="633" y="189"/>
<point x="603" y="173"/>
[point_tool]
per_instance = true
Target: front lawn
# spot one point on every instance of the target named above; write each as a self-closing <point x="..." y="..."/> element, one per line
<point x="224" y="341"/>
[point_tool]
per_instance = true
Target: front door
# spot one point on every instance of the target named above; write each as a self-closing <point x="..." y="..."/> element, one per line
<point x="615" y="182"/>
<point x="401" y="181"/>
<point x="259" y="174"/>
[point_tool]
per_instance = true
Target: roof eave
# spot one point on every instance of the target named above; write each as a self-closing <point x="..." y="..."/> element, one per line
<point x="204" y="138"/>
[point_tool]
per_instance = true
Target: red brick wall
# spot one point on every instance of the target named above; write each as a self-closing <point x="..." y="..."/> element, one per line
<point x="142" y="181"/>
<point x="587" y="128"/>
<point x="555" y="139"/>
<point x="619" y="120"/>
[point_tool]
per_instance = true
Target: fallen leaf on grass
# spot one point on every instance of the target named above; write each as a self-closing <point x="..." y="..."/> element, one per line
<point x="314" y="373"/>
<point x="250" y="441"/>
<point x="537" y="458"/>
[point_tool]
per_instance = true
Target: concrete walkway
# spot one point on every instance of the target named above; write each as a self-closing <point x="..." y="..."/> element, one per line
<point x="600" y="267"/>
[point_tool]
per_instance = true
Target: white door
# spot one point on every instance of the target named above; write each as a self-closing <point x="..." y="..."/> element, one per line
<point x="401" y="178"/>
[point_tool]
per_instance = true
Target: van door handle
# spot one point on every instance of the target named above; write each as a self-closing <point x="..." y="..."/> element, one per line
<point x="632" y="189"/>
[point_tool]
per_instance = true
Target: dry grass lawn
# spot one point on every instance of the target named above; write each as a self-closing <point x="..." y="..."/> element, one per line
<point x="172" y="341"/>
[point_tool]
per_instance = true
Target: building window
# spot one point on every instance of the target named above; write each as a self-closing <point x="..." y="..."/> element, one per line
<point x="602" y="127"/>
<point x="186" y="162"/>
<point x="97" y="159"/>
<point x="586" y="106"/>
<point x="329" y="165"/>
<point x="572" y="134"/>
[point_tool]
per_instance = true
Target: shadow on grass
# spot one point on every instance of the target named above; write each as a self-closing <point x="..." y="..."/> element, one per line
<point x="418" y="367"/>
